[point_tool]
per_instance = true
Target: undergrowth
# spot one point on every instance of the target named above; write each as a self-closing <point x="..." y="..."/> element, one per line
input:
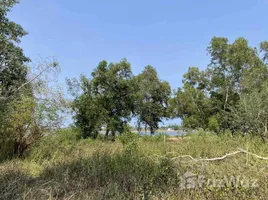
<point x="62" y="166"/>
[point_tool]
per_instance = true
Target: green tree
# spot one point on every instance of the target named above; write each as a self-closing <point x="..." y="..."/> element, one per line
<point x="230" y="65"/>
<point x="151" y="98"/>
<point x="89" y="113"/>
<point x="208" y="97"/>
<point x="191" y="102"/>
<point x="251" y="113"/>
<point x="13" y="71"/>
<point x="109" y="95"/>
<point x="192" y="106"/>
<point x="28" y="104"/>
<point x="113" y="86"/>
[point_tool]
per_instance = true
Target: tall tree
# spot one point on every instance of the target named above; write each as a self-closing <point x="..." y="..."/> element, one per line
<point x="151" y="98"/>
<point x="191" y="102"/>
<point x="89" y="113"/>
<point x="208" y="97"/>
<point x="110" y="96"/>
<point x="29" y="105"/>
<point x="113" y="85"/>
<point x="13" y="72"/>
<point x="230" y="65"/>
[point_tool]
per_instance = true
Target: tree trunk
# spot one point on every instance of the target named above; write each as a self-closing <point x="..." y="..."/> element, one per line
<point x="152" y="130"/>
<point x="107" y="134"/>
<point x="145" y="128"/>
<point x="20" y="146"/>
<point x="139" y="126"/>
<point x="113" y="136"/>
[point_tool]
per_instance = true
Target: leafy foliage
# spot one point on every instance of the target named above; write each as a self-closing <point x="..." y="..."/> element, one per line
<point x="29" y="104"/>
<point x="106" y="99"/>
<point x="251" y="114"/>
<point x="13" y="72"/>
<point x="210" y="98"/>
<point x="151" y="98"/>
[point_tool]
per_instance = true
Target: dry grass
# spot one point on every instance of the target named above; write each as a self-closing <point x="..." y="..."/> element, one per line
<point x="60" y="168"/>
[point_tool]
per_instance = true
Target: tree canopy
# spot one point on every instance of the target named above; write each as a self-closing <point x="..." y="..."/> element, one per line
<point x="210" y="98"/>
<point x="113" y="95"/>
<point x="151" y="98"/>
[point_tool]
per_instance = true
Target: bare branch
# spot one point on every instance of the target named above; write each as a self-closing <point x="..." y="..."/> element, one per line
<point x="216" y="158"/>
<point x="54" y="64"/>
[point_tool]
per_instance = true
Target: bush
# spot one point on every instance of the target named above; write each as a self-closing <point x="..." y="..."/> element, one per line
<point x="54" y="144"/>
<point x="129" y="140"/>
<point x="213" y="124"/>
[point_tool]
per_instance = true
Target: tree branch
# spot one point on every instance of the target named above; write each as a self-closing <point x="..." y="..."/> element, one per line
<point x="216" y="158"/>
<point x="28" y="82"/>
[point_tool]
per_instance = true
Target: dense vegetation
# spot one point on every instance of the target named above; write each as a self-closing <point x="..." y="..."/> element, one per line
<point x="113" y="95"/>
<point x="62" y="167"/>
<point x="225" y="105"/>
<point x="230" y="95"/>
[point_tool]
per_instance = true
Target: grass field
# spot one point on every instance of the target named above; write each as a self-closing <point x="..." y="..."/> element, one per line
<point x="63" y="167"/>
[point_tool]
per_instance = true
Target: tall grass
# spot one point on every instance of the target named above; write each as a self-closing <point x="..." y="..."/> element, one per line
<point x="62" y="166"/>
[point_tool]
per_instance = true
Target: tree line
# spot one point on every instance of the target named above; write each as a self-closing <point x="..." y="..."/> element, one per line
<point x="229" y="96"/>
<point x="113" y="95"/>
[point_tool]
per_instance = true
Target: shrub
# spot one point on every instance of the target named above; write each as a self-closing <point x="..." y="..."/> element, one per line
<point x="213" y="124"/>
<point x="129" y="140"/>
<point x="54" y="144"/>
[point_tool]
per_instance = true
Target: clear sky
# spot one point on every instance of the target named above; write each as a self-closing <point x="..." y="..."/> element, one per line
<point x="171" y="35"/>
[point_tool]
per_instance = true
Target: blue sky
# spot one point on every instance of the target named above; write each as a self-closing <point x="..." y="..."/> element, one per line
<point x="171" y="35"/>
